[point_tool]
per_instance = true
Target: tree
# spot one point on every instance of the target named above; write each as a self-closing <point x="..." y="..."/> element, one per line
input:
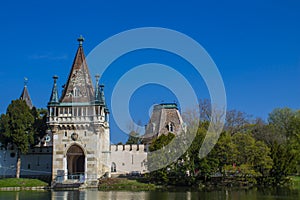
<point x="40" y="123"/>
<point x="281" y="119"/>
<point x="224" y="153"/>
<point x="134" y="138"/>
<point x="286" y="154"/>
<point x="160" y="175"/>
<point x="236" y="121"/>
<point x="16" y="128"/>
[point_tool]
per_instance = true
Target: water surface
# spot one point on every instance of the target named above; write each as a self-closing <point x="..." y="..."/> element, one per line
<point x="222" y="194"/>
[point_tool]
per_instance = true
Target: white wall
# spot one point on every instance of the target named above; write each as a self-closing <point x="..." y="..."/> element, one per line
<point x="129" y="158"/>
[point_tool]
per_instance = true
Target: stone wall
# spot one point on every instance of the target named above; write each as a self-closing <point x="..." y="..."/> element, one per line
<point x="128" y="158"/>
<point x="37" y="162"/>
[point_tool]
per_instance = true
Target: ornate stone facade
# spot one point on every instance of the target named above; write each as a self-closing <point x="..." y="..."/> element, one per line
<point x="80" y="128"/>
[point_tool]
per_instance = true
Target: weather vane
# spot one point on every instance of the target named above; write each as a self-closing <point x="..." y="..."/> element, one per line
<point x="80" y="40"/>
<point x="25" y="81"/>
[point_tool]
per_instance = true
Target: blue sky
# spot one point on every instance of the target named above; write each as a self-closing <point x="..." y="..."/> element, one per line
<point x="255" y="45"/>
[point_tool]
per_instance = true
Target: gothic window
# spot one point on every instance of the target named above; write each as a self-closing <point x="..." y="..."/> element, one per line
<point x="51" y="111"/>
<point x="171" y="127"/>
<point x="113" y="167"/>
<point x="76" y="92"/>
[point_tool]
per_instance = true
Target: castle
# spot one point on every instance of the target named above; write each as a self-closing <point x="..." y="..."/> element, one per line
<point x="77" y="146"/>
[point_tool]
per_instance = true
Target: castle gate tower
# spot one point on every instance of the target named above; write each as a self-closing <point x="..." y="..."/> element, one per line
<point x="79" y="124"/>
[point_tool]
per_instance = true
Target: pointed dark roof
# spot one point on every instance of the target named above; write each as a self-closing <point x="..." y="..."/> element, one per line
<point x="25" y="95"/>
<point x="54" y="94"/>
<point x="79" y="86"/>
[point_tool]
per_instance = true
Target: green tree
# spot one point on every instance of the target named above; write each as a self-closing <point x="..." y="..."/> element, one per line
<point x="160" y="175"/>
<point x="16" y="128"/>
<point x="253" y="155"/>
<point x="285" y="152"/>
<point x="224" y="153"/>
<point x="133" y="138"/>
<point x="281" y="119"/>
<point x="40" y="123"/>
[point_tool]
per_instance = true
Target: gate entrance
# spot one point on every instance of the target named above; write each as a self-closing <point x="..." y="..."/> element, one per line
<point x="75" y="162"/>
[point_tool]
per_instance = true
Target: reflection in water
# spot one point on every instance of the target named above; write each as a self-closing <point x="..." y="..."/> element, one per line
<point x="235" y="194"/>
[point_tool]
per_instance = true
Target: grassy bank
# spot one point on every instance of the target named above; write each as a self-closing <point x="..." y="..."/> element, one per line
<point x="21" y="182"/>
<point x="125" y="184"/>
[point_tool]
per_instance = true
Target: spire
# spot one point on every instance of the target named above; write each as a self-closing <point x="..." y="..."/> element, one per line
<point x="99" y="92"/>
<point x="79" y="86"/>
<point x="97" y="89"/>
<point x="54" y="94"/>
<point x="25" y="94"/>
<point x="102" y="98"/>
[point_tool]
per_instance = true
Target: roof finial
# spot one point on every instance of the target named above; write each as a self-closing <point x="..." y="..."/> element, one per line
<point x="80" y="40"/>
<point x="55" y="77"/>
<point x="25" y="81"/>
<point x="97" y="76"/>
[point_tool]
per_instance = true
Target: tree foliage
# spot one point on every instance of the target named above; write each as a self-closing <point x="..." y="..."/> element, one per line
<point x="16" y="128"/>
<point x="248" y="150"/>
<point x="134" y="138"/>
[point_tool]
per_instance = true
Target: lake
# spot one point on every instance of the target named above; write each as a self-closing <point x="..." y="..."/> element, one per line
<point x="222" y="194"/>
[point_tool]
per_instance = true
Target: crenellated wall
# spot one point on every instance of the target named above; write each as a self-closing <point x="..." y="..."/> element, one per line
<point x="128" y="158"/>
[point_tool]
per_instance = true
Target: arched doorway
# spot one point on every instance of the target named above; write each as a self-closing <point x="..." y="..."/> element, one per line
<point x="113" y="167"/>
<point x="75" y="162"/>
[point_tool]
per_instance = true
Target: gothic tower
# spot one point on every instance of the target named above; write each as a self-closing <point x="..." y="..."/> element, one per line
<point x="79" y="124"/>
<point x="165" y="119"/>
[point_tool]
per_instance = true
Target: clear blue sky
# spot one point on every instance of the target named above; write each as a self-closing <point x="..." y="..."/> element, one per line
<point x="255" y="44"/>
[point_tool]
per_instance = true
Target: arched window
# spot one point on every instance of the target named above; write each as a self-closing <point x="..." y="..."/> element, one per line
<point x="76" y="92"/>
<point x="113" y="167"/>
<point x="171" y="127"/>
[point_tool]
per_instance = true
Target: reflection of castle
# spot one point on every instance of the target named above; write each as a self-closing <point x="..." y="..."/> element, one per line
<point x="78" y="146"/>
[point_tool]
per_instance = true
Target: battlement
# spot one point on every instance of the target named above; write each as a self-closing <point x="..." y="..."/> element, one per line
<point x="128" y="147"/>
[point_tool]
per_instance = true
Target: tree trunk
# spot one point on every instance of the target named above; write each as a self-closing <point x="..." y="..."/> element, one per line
<point x="18" y="165"/>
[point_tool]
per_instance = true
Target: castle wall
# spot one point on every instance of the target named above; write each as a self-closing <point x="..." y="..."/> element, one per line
<point x="37" y="162"/>
<point x="128" y="158"/>
<point x="8" y="160"/>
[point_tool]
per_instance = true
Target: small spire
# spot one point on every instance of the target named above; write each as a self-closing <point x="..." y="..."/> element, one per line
<point x="54" y="95"/>
<point x="97" y="91"/>
<point x="25" y="94"/>
<point x="97" y="76"/>
<point x="102" y="97"/>
<point x="80" y="40"/>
